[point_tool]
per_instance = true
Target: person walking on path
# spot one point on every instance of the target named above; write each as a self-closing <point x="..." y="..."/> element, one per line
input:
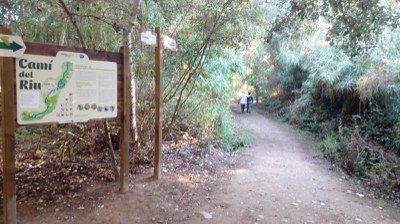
<point x="249" y="102"/>
<point x="243" y="101"/>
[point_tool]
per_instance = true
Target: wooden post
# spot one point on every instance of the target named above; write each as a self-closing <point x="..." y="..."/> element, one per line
<point x="124" y="134"/>
<point x="158" y="98"/>
<point x="8" y="127"/>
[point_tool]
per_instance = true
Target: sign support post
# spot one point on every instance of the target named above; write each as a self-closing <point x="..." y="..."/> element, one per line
<point x="158" y="89"/>
<point x="124" y="135"/>
<point x="160" y="41"/>
<point x="8" y="136"/>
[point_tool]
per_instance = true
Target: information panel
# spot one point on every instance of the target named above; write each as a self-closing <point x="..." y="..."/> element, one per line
<point x="67" y="88"/>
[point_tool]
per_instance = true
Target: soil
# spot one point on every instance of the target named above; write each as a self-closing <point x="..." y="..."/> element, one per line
<point x="279" y="178"/>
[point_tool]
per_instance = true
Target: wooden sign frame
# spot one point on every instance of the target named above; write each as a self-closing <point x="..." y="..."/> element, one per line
<point x="9" y="121"/>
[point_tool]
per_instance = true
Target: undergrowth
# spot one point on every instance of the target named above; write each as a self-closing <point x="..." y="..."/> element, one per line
<point x="358" y="146"/>
<point x="232" y="137"/>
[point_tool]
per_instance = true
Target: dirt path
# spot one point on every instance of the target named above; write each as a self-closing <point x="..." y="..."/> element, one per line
<point x="283" y="182"/>
<point x="278" y="180"/>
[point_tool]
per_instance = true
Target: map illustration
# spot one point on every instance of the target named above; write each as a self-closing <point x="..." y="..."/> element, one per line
<point x="50" y="93"/>
<point x="68" y="88"/>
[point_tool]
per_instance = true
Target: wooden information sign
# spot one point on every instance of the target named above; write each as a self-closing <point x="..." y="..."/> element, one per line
<point x="112" y="68"/>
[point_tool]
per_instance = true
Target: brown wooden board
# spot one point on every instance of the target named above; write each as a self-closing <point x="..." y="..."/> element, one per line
<point x="51" y="50"/>
<point x="7" y="67"/>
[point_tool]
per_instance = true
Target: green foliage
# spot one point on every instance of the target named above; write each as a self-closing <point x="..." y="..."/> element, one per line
<point x="377" y="125"/>
<point x="349" y="150"/>
<point x="46" y="22"/>
<point x="153" y="14"/>
<point x="354" y="26"/>
<point x="357" y="25"/>
<point x="292" y="70"/>
<point x="383" y="176"/>
<point x="332" y="73"/>
<point x="272" y="104"/>
<point x="380" y="85"/>
<point x="232" y="137"/>
<point x="333" y="145"/>
<point x="286" y="74"/>
<point x="311" y="119"/>
<point x="208" y="108"/>
<point x="347" y="54"/>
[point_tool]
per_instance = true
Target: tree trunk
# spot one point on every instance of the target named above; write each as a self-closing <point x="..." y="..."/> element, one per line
<point x="127" y="39"/>
<point x="133" y="89"/>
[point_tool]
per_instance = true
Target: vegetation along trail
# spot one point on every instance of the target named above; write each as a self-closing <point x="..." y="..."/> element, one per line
<point x="283" y="181"/>
<point x="278" y="179"/>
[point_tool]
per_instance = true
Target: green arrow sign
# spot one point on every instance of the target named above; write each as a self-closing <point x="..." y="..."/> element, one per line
<point x="11" y="46"/>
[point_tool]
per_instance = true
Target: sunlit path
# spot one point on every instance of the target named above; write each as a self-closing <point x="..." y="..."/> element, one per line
<point x="282" y="180"/>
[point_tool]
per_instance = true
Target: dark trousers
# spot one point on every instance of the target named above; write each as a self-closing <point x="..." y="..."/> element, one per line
<point x="249" y="107"/>
<point x="242" y="106"/>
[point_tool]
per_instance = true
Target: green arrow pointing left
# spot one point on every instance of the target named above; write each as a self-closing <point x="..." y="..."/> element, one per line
<point x="13" y="46"/>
